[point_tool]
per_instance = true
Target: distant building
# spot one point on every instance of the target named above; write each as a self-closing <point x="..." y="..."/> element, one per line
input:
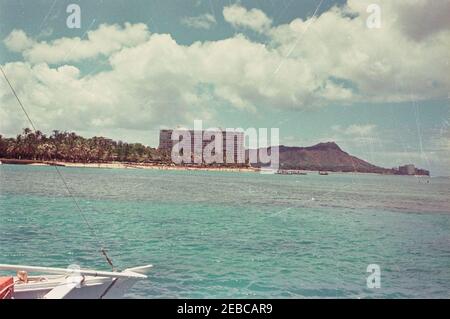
<point x="409" y="169"/>
<point x="233" y="148"/>
<point x="165" y="140"/>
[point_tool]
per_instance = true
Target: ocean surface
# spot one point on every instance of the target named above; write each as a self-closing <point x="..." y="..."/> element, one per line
<point x="237" y="235"/>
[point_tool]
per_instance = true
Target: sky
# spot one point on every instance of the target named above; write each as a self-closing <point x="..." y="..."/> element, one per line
<point x="373" y="79"/>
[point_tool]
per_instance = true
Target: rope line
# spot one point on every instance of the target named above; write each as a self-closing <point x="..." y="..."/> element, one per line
<point x="75" y="201"/>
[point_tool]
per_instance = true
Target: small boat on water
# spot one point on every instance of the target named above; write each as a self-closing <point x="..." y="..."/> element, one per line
<point x="323" y="173"/>
<point x="290" y="172"/>
<point x="268" y="170"/>
<point x="70" y="283"/>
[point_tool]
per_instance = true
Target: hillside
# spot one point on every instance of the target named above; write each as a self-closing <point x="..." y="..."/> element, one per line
<point x="325" y="157"/>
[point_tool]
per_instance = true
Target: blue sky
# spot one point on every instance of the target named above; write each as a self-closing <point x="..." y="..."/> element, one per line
<point x="137" y="66"/>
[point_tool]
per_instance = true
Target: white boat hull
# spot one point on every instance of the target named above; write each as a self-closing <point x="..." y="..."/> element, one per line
<point x="84" y="284"/>
<point x="92" y="288"/>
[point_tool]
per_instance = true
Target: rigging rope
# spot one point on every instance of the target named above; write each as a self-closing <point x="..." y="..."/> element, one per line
<point x="83" y="216"/>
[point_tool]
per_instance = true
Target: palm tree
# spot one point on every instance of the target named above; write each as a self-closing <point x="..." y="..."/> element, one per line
<point x="67" y="146"/>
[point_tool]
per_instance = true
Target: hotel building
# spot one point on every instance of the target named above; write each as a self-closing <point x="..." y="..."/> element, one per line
<point x="233" y="148"/>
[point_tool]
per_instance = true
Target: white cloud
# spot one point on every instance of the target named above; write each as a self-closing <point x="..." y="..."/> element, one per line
<point x="377" y="65"/>
<point x="416" y="18"/>
<point x="17" y="41"/>
<point x="240" y="17"/>
<point x="204" y="21"/>
<point x="103" y="41"/>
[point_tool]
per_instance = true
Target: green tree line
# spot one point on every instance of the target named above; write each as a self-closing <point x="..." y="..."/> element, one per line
<point x="70" y="147"/>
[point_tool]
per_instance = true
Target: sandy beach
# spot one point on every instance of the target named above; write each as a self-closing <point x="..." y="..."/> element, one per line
<point x="121" y="165"/>
<point x="158" y="167"/>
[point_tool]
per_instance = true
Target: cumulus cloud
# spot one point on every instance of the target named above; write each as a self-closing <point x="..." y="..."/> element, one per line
<point x="152" y="79"/>
<point x="17" y="41"/>
<point x="204" y="21"/>
<point x="377" y="65"/>
<point x="102" y="41"/>
<point x="420" y="18"/>
<point x="240" y="17"/>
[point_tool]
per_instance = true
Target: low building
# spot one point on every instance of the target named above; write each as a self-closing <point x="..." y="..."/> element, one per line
<point x="408" y="169"/>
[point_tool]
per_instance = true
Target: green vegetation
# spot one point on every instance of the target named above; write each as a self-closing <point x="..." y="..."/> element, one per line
<point x="70" y="147"/>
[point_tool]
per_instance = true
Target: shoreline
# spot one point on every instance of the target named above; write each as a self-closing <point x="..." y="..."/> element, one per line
<point x="123" y="165"/>
<point x="164" y="167"/>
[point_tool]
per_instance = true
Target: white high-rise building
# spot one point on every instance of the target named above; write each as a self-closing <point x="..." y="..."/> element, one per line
<point x="233" y="149"/>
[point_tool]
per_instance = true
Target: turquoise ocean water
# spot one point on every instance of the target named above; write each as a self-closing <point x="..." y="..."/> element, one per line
<point x="238" y="235"/>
